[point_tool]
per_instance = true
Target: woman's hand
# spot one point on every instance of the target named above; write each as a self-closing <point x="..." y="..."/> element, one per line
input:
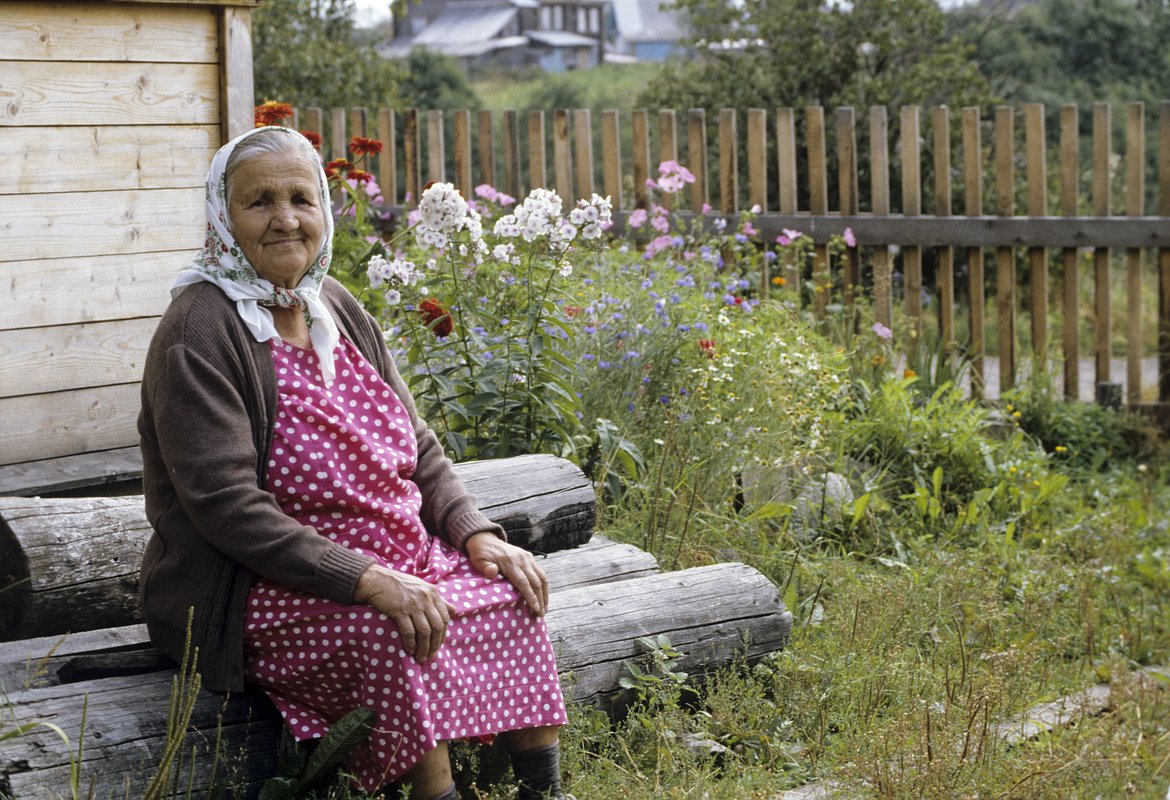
<point x="415" y="606"/>
<point x="492" y="556"/>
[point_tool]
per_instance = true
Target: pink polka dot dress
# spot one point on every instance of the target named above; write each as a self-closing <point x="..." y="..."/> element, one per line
<point x="340" y="461"/>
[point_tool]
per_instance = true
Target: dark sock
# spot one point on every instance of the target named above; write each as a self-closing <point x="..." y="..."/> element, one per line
<point x="538" y="773"/>
<point x="447" y="794"/>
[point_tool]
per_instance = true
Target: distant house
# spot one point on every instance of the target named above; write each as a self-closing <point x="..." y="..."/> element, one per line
<point x="554" y="34"/>
<point x="645" y="31"/>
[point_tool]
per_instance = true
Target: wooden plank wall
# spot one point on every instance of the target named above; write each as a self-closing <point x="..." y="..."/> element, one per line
<point x="109" y="115"/>
<point x="1008" y="152"/>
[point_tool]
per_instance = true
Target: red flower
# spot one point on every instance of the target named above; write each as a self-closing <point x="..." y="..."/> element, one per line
<point x="437" y="318"/>
<point x="336" y="166"/>
<point x="314" y="139"/>
<point x="572" y="311"/>
<point x="361" y="146"/>
<point x="359" y="175"/>
<point x="708" y="347"/>
<point x="272" y="113"/>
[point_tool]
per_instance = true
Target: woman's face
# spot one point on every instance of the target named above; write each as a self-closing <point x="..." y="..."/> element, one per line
<point x="275" y="213"/>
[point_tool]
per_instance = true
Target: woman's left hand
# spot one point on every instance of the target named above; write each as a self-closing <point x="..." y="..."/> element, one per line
<point x="492" y="556"/>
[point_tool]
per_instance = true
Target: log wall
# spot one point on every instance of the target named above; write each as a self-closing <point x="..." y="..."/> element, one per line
<point x="109" y="115"/>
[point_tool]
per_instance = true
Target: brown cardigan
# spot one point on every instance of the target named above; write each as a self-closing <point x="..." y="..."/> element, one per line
<point x="208" y="406"/>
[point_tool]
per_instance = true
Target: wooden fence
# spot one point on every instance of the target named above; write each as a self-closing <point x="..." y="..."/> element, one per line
<point x="958" y="230"/>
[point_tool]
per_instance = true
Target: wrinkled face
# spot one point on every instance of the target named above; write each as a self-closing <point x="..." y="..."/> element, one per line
<point x="275" y="213"/>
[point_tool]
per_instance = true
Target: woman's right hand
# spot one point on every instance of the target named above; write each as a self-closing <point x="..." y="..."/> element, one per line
<point x="415" y="606"/>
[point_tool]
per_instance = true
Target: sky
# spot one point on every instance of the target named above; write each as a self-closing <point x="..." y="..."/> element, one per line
<point x="370" y="12"/>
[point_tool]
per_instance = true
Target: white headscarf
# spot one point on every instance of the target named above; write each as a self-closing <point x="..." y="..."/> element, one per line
<point x="223" y="263"/>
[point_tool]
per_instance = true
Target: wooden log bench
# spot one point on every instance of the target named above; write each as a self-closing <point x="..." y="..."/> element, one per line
<point x="75" y="647"/>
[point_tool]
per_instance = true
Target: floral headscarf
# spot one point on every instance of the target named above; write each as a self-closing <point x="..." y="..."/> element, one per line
<point x="223" y="263"/>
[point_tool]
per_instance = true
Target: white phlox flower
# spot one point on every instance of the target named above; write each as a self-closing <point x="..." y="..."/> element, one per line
<point x="442" y="213"/>
<point x="538" y="214"/>
<point x="507" y="226"/>
<point x="397" y="272"/>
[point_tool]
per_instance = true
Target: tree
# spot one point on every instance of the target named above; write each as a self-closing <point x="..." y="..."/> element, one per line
<point x="432" y="80"/>
<point x="1070" y="51"/>
<point x="306" y="53"/>
<point x="770" y="53"/>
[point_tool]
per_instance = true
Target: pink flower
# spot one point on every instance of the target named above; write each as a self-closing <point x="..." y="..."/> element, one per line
<point x="660" y="223"/>
<point x="881" y="331"/>
<point x="850" y="239"/>
<point x="787" y="237"/>
<point x="706" y="208"/>
<point x="487" y="192"/>
<point x="638" y="218"/>
<point x="658" y="245"/>
<point x="749" y="229"/>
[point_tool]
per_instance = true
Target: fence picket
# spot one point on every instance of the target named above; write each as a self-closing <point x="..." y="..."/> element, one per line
<point x="583" y="149"/>
<point x="640" y="129"/>
<point x="463" y="152"/>
<point x="757" y="156"/>
<point x="1102" y="207"/>
<point x="879" y="153"/>
<point x="912" y="206"/>
<point x="388" y="160"/>
<point x="562" y="155"/>
<point x="411" y="153"/>
<point x="485" y="124"/>
<point x="667" y="144"/>
<point x="818" y="204"/>
<point x="1036" y="156"/>
<point x="359" y="122"/>
<point x="611" y="156"/>
<point x="537" y="154"/>
<point x="1135" y="199"/>
<point x="847" y="188"/>
<point x="1070" y="146"/>
<point x="337" y="138"/>
<point x="728" y="162"/>
<point x="697" y="157"/>
<point x="512" y="183"/>
<point x="973" y="202"/>
<point x="940" y="126"/>
<point x="436" y="147"/>
<point x="1005" y="257"/>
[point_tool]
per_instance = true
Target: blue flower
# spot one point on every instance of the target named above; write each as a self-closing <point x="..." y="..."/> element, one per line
<point x="590" y="329"/>
<point x="588" y="357"/>
<point x="700" y="326"/>
<point x="674" y="298"/>
<point x="647" y="283"/>
<point x="684" y="327"/>
<point x="604" y="364"/>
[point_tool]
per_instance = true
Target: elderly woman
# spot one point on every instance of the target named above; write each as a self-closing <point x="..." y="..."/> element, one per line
<point x="310" y="517"/>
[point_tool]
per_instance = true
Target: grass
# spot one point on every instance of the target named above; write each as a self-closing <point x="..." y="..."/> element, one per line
<point x="608" y="86"/>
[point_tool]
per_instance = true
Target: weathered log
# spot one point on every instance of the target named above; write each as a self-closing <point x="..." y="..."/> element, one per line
<point x="69" y="658"/>
<point x="712" y="614"/>
<point x="70" y="564"/>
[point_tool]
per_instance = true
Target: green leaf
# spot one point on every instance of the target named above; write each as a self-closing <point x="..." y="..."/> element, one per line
<point x="279" y="788"/>
<point x="344" y="735"/>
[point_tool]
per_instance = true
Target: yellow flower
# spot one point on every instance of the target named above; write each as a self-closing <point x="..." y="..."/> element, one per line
<point x="1016" y="414"/>
<point x="1060" y="448"/>
<point x="778" y="281"/>
<point x="909" y="374"/>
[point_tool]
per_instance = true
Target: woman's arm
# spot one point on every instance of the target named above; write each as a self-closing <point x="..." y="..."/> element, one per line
<point x="202" y="429"/>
